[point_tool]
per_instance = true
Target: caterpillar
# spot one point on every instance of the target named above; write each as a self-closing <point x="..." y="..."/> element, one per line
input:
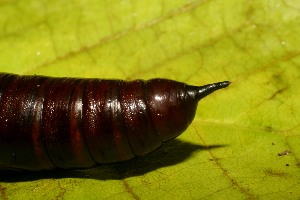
<point x="48" y="123"/>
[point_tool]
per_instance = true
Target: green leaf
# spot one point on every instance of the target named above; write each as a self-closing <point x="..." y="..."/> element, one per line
<point x="230" y="151"/>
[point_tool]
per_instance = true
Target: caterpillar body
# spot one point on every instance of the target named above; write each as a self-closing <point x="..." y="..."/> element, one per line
<point x="48" y="123"/>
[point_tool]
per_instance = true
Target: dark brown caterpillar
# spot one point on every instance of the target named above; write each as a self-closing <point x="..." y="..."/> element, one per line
<point x="48" y="123"/>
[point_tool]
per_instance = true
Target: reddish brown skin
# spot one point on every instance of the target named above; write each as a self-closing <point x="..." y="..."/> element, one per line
<point x="48" y="123"/>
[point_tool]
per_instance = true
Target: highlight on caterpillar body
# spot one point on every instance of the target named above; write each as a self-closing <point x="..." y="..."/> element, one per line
<point x="48" y="123"/>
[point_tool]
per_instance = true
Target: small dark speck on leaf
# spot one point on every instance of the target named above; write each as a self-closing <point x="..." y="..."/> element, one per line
<point x="269" y="128"/>
<point x="286" y="152"/>
<point x="273" y="143"/>
<point x="214" y="159"/>
<point x="275" y="173"/>
<point x="287" y="165"/>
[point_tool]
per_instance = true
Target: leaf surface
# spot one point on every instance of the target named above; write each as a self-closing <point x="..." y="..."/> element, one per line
<point x="230" y="151"/>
